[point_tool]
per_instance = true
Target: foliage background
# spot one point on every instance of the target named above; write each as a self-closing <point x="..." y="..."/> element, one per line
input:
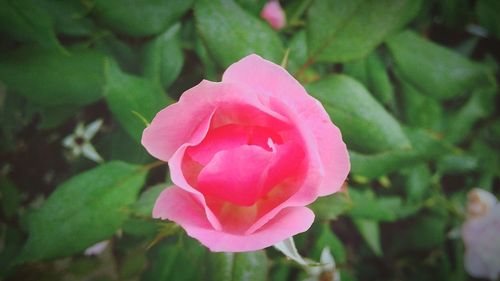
<point x="412" y="85"/>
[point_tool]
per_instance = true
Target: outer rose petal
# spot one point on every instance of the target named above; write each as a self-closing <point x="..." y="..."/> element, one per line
<point x="271" y="79"/>
<point x="175" y="124"/>
<point x="177" y="205"/>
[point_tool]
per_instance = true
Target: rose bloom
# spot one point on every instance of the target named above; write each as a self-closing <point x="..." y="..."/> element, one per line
<point x="481" y="235"/>
<point x="274" y="14"/>
<point x="246" y="155"/>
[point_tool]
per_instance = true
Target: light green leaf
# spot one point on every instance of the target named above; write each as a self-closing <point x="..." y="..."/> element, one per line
<point x="230" y="33"/>
<point x="163" y="57"/>
<point x="25" y="20"/>
<point x="126" y="93"/>
<point x="435" y="70"/>
<point x="298" y="51"/>
<point x="140" y="17"/>
<point x="84" y="210"/>
<point x="365" y="124"/>
<point x="51" y="78"/>
<point x="343" y="30"/>
<point x="370" y="231"/>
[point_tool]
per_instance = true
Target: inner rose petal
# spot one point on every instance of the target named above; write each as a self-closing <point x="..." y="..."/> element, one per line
<point x="234" y="175"/>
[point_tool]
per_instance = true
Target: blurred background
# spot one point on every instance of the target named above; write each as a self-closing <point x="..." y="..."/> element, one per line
<point x="413" y="86"/>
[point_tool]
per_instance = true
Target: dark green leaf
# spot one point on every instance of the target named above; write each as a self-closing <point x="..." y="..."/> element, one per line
<point x="417" y="182"/>
<point x="367" y="206"/>
<point x="327" y="238"/>
<point x="487" y="12"/>
<point x="372" y="73"/>
<point x="126" y="94"/>
<point x="331" y="207"/>
<point x="435" y="70"/>
<point x="183" y="259"/>
<point x="25" y="20"/>
<point x="420" y="110"/>
<point x="365" y="124"/>
<point x="343" y="30"/>
<point x="10" y="197"/>
<point x="84" y="210"/>
<point x="140" y="17"/>
<point x="370" y="231"/>
<point x="163" y="57"/>
<point x="230" y="33"/>
<point x="70" y="17"/>
<point x="425" y="146"/>
<point x="238" y="266"/>
<point x="479" y="106"/>
<point x="51" y="78"/>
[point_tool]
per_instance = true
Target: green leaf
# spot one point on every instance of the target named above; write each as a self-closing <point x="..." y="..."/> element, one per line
<point x="70" y="17"/>
<point x="126" y="94"/>
<point x="163" y="58"/>
<point x="434" y="70"/>
<point x="370" y="231"/>
<point x="425" y="147"/>
<point x="417" y="182"/>
<point x="487" y="13"/>
<point x="24" y="20"/>
<point x="298" y="51"/>
<point x="327" y="238"/>
<point x="423" y="233"/>
<point x="343" y="30"/>
<point x="182" y="259"/>
<point x="238" y="266"/>
<point x="420" y="110"/>
<point x="331" y="207"/>
<point x="10" y="198"/>
<point x="480" y="105"/>
<point x="51" y="78"/>
<point x="371" y="72"/>
<point x="365" y="124"/>
<point x="84" y="210"/>
<point x="140" y="17"/>
<point x="230" y="33"/>
<point x="144" y="206"/>
<point x="367" y="206"/>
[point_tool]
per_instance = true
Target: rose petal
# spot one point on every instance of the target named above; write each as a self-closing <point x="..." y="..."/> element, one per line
<point x="176" y="124"/>
<point x="178" y="205"/>
<point x="234" y="175"/>
<point x="271" y="79"/>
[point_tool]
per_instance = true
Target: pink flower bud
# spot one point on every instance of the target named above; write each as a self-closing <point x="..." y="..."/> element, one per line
<point x="274" y="14"/>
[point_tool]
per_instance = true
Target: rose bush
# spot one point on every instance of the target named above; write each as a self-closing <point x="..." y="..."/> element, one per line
<point x="246" y="155"/>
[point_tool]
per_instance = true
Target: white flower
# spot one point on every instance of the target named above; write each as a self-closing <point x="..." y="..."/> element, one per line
<point x="79" y="141"/>
<point x="97" y="248"/>
<point x="480" y="234"/>
<point x="326" y="270"/>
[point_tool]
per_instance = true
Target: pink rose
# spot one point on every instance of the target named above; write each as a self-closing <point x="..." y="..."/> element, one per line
<point x="246" y="155"/>
<point x="481" y="235"/>
<point x="274" y="14"/>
